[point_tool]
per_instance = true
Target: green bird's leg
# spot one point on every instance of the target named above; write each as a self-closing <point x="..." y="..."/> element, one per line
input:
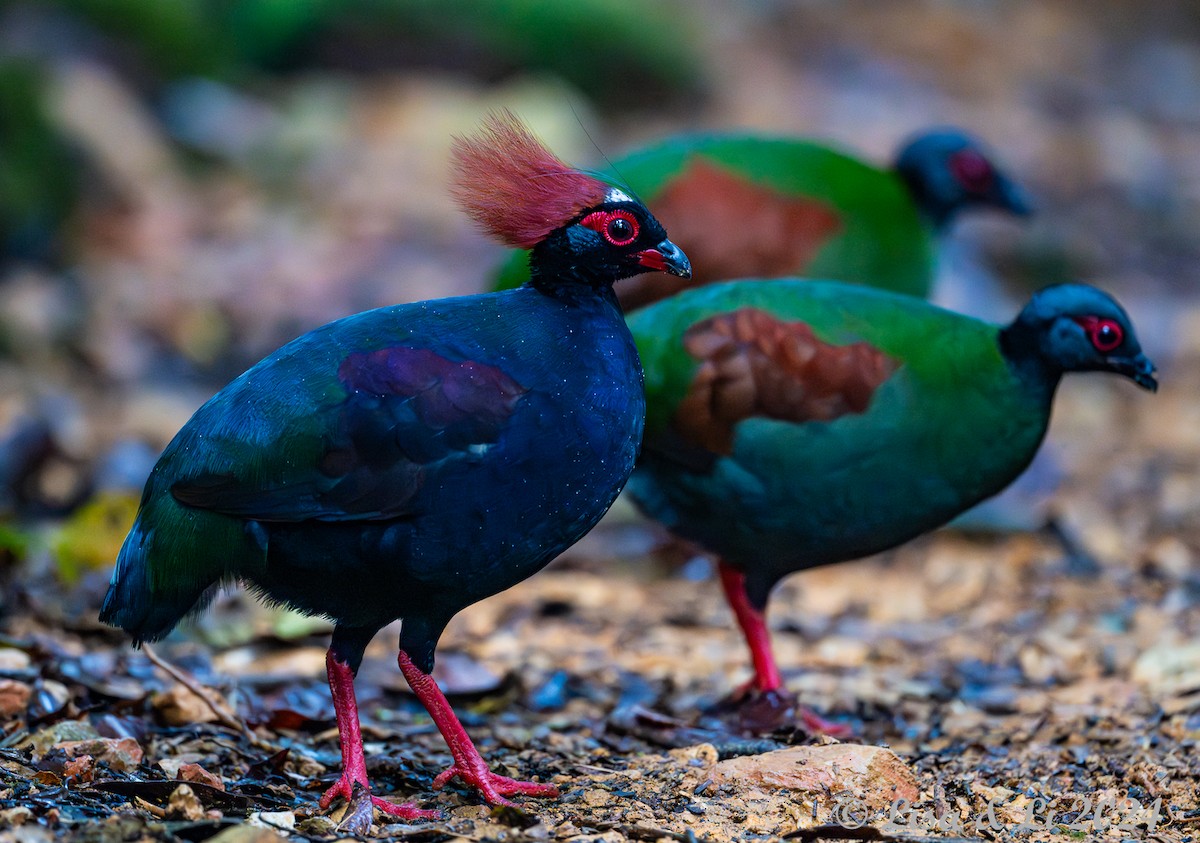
<point x="469" y="765"/>
<point x="769" y="704"/>
<point x="753" y="622"/>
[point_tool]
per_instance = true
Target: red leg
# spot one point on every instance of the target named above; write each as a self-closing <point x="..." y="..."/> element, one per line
<point x="354" y="764"/>
<point x="468" y="763"/>
<point x="754" y="627"/>
<point x="770" y="702"/>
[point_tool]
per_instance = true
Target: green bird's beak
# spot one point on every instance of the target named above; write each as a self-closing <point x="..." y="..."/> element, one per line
<point x="1138" y="369"/>
<point x="1008" y="196"/>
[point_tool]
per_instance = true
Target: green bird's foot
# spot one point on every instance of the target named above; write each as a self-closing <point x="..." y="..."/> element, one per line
<point x="759" y="712"/>
<point x="492" y="786"/>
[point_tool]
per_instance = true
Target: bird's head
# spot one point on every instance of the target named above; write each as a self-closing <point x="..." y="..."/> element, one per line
<point x="947" y="170"/>
<point x="581" y="231"/>
<point x="1077" y="328"/>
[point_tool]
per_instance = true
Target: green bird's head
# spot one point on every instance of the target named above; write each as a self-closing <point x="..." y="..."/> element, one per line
<point x="1077" y="328"/>
<point x="948" y="170"/>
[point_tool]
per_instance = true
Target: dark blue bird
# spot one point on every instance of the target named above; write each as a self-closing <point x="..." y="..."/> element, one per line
<point x="409" y="461"/>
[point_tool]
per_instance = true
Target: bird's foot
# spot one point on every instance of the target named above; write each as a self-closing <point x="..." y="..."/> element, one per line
<point x="345" y="789"/>
<point x="816" y="724"/>
<point x="759" y="712"/>
<point x="494" y="787"/>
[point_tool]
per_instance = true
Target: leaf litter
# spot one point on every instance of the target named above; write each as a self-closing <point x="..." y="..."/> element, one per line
<point x="1013" y="684"/>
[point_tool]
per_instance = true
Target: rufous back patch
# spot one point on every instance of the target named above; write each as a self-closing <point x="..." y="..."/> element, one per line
<point x="753" y="364"/>
<point x="731" y="228"/>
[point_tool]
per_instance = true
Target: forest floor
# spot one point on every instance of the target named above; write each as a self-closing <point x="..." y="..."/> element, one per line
<point x="1004" y="688"/>
<point x="1022" y="695"/>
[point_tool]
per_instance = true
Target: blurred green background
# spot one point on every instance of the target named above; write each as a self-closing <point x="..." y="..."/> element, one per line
<point x="186" y="184"/>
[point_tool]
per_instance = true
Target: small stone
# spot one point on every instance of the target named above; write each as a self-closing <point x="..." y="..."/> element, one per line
<point x="65" y="731"/>
<point x="14" y="697"/>
<point x="196" y="773"/>
<point x="13" y="661"/>
<point x="247" y="833"/>
<point x="81" y="768"/>
<point x="596" y="797"/>
<point x="1169" y="669"/>
<point x="184" y="805"/>
<point x="14" y="817"/>
<point x="274" y="819"/>
<point x="48" y="697"/>
<point x="121" y="754"/>
<point x="318" y="826"/>
<point x="178" y="706"/>
<point x="872" y="774"/>
<point x="705" y="753"/>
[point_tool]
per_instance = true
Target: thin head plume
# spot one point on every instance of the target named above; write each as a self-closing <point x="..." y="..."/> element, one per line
<point x="513" y="187"/>
<point x="616" y="175"/>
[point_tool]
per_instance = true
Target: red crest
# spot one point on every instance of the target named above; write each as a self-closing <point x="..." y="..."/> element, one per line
<point x="513" y="187"/>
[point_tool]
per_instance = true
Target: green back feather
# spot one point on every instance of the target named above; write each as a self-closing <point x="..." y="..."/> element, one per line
<point x="953" y="424"/>
<point x="883" y="242"/>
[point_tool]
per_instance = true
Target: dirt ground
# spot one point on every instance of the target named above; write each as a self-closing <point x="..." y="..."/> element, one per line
<point x="1000" y="685"/>
<point x="1000" y="677"/>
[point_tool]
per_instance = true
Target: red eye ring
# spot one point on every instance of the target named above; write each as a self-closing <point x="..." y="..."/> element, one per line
<point x="972" y="170"/>
<point x="1106" y="334"/>
<point x="620" y="227"/>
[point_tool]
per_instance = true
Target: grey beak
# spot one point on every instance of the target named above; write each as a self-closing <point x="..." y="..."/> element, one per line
<point x="666" y="257"/>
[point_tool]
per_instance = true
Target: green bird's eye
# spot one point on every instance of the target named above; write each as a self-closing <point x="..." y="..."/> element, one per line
<point x="972" y="171"/>
<point x="1107" y="335"/>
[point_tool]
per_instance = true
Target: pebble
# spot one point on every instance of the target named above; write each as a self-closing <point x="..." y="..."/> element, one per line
<point x="178" y="706"/>
<point x="596" y="797"/>
<point x="872" y="774"/>
<point x="13" y="660"/>
<point x="66" y="730"/>
<point x="247" y="833"/>
<point x="196" y="773"/>
<point x="121" y="754"/>
<point x="1169" y="669"/>
<point x="184" y="805"/>
<point x="14" y="697"/>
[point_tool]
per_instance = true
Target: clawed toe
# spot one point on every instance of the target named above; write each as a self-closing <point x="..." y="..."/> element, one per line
<point x="344" y="788"/>
<point x="760" y="712"/>
<point x="817" y="724"/>
<point x="494" y="787"/>
<point x="404" y="811"/>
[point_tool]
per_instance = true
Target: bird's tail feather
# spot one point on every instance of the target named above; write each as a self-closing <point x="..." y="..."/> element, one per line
<point x="143" y="604"/>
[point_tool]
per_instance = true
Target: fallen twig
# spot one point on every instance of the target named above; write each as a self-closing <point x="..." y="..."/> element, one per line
<point x="189" y="682"/>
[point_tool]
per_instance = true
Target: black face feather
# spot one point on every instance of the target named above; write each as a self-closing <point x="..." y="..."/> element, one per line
<point x="1077" y="328"/>
<point x="614" y="240"/>
<point x="947" y="171"/>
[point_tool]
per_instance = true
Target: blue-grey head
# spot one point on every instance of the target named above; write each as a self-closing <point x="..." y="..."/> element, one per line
<point x="948" y="170"/>
<point x="1077" y="328"/>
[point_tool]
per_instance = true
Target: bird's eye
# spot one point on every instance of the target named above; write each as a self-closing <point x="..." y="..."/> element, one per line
<point x="620" y="231"/>
<point x="1106" y="335"/>
<point x="620" y="228"/>
<point x="972" y="171"/>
